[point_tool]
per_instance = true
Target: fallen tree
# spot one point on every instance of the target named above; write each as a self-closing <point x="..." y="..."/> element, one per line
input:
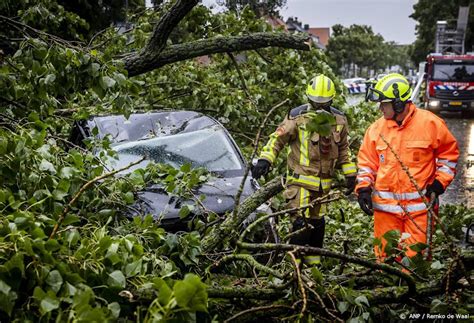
<point x="68" y="251"/>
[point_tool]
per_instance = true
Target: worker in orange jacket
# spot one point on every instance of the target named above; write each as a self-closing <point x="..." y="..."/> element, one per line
<point x="424" y="145"/>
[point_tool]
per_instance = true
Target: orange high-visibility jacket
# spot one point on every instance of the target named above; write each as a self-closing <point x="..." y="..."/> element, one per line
<point x="423" y="143"/>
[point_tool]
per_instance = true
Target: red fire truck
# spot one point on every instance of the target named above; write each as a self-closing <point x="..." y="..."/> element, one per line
<point x="449" y="83"/>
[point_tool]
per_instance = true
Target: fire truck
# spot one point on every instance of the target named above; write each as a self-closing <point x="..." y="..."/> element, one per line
<point x="449" y="83"/>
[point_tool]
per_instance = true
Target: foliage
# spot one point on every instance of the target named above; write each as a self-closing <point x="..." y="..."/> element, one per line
<point x="427" y="13"/>
<point x="358" y="47"/>
<point x="103" y="266"/>
<point x="260" y="8"/>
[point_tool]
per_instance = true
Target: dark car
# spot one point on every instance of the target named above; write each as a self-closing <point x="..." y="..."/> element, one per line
<point x="174" y="138"/>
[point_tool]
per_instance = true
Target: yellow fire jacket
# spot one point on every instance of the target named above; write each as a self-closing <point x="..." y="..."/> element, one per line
<point x="311" y="158"/>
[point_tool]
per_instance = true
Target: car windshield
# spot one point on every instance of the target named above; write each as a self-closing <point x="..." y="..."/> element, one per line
<point x="454" y="72"/>
<point x="209" y="148"/>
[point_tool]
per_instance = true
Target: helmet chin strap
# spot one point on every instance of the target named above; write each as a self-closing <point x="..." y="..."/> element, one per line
<point x="396" y="114"/>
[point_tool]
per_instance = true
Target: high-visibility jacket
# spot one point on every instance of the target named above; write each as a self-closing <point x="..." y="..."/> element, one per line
<point x="424" y="145"/>
<point x="310" y="165"/>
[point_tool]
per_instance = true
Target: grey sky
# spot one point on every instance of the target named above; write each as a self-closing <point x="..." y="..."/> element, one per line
<point x="387" y="17"/>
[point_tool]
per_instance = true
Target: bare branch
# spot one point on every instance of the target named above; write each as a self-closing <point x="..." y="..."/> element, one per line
<point x="328" y="253"/>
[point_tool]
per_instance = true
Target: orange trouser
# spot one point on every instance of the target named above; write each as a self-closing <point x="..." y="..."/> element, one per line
<point x="384" y="221"/>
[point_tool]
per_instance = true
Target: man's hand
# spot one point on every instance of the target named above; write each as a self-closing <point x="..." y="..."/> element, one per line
<point x="435" y="187"/>
<point x="365" y="200"/>
<point x="350" y="185"/>
<point x="261" y="169"/>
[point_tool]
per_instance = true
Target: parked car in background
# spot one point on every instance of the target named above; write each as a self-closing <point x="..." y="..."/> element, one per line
<point x="174" y="138"/>
<point x="355" y="85"/>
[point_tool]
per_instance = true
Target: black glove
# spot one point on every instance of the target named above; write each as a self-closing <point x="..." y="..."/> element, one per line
<point x="435" y="187"/>
<point x="365" y="200"/>
<point x="350" y="185"/>
<point x="261" y="169"/>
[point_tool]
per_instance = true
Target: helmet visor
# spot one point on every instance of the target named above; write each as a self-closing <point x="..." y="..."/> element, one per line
<point x="374" y="95"/>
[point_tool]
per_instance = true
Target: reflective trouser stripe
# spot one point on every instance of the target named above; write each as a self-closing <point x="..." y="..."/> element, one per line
<point x="399" y="196"/>
<point x="304" y="151"/>
<point x="446" y="169"/>
<point x="366" y="170"/>
<point x="304" y="201"/>
<point x="447" y="163"/>
<point x="398" y="209"/>
<point x="312" y="260"/>
<point x="361" y="179"/>
<point x="349" y="168"/>
<point x="309" y="260"/>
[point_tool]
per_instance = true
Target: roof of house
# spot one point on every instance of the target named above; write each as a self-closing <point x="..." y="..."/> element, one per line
<point x="322" y="33"/>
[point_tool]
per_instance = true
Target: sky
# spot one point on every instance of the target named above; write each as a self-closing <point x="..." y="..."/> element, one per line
<point x="387" y="17"/>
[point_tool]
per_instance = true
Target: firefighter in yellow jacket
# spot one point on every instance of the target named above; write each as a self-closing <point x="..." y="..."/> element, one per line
<point x="311" y="160"/>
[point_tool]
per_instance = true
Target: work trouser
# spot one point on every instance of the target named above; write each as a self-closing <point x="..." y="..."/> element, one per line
<point x="297" y="197"/>
<point x="416" y="227"/>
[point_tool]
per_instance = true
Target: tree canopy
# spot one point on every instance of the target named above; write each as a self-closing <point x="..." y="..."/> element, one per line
<point x="427" y="13"/>
<point x="358" y="47"/>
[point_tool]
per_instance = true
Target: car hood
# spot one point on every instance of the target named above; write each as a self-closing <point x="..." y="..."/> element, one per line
<point x="219" y="193"/>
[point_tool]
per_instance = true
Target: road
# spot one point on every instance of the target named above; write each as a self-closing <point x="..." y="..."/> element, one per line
<point x="461" y="190"/>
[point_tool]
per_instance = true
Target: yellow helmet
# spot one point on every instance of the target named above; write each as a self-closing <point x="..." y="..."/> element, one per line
<point x="320" y="89"/>
<point x="392" y="87"/>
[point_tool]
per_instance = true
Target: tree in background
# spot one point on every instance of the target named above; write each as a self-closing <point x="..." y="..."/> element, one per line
<point x="356" y="49"/>
<point x="260" y="8"/>
<point x="427" y="13"/>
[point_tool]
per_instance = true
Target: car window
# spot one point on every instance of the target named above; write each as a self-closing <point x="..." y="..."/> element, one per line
<point x="209" y="148"/>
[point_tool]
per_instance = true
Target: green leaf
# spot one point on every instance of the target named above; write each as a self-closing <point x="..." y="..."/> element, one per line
<point x="49" y="79"/>
<point x="342" y="306"/>
<point x="185" y="211"/>
<point x="47" y="166"/>
<point x="70" y="289"/>
<point x="94" y="69"/>
<point x="107" y="82"/>
<point x="49" y="304"/>
<point x="116" y="279"/>
<point x="186" y="168"/>
<point x="418" y="247"/>
<point x="164" y="291"/>
<point x="134" y="268"/>
<point x="114" y="309"/>
<point x="317" y="276"/>
<point x="4" y="287"/>
<point x="437" y="265"/>
<point x="67" y="172"/>
<point x="128" y="197"/>
<point x="191" y="293"/>
<point x="59" y="195"/>
<point x="54" y="280"/>
<point x="362" y="300"/>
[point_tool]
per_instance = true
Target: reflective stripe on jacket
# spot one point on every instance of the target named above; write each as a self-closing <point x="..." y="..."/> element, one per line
<point x="313" y="165"/>
<point x="423" y="143"/>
